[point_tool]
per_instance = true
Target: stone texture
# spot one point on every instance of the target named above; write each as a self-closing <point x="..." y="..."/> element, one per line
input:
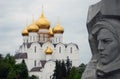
<point x="103" y="24"/>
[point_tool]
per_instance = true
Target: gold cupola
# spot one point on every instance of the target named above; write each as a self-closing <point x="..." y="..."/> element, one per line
<point x="33" y="27"/>
<point x="48" y="50"/>
<point x="58" y="28"/>
<point x="51" y="32"/>
<point x="42" y="22"/>
<point x="25" y="32"/>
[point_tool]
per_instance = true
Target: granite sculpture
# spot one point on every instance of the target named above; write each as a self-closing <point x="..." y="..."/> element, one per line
<point x="103" y="24"/>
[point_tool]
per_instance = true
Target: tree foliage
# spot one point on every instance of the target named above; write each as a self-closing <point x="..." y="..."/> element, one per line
<point x="66" y="71"/>
<point x="62" y="69"/>
<point x="10" y="70"/>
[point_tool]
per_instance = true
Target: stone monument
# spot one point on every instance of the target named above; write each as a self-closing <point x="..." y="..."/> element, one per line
<point x="103" y="24"/>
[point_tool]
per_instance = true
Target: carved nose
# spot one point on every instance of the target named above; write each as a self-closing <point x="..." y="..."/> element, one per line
<point x="100" y="47"/>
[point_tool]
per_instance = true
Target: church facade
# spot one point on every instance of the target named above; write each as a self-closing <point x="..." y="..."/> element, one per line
<point x="42" y="46"/>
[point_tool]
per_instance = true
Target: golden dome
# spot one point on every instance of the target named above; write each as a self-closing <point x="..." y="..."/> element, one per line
<point x="25" y="32"/>
<point x="42" y="22"/>
<point x="58" y="28"/>
<point x="48" y="50"/>
<point x="51" y="32"/>
<point x="33" y="27"/>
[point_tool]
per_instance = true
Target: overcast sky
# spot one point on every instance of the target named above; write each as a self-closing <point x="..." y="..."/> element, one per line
<point x="72" y="14"/>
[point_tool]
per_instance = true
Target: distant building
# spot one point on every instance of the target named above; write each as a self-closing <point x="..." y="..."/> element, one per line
<point x="42" y="46"/>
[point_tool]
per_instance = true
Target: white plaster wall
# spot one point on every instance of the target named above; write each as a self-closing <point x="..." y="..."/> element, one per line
<point x="39" y="54"/>
<point x="48" y="57"/>
<point x="43" y="32"/>
<point x="74" y="56"/>
<point x="23" y="48"/>
<point x="33" y="37"/>
<point x="50" y="65"/>
<point x="32" y="56"/>
<point x="20" y="49"/>
<point x="52" y="39"/>
<point x="57" y="54"/>
<point x="45" y="45"/>
<point x="18" y="61"/>
<point x="25" y="39"/>
<point x="58" y="38"/>
<point x="48" y="69"/>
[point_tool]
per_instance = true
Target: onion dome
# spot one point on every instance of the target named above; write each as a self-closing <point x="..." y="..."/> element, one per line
<point x="33" y="27"/>
<point x="42" y="22"/>
<point x="58" y="28"/>
<point x="25" y="32"/>
<point x="48" y="50"/>
<point x="51" y="32"/>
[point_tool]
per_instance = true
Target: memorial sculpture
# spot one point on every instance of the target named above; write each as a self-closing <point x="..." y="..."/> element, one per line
<point x="103" y="24"/>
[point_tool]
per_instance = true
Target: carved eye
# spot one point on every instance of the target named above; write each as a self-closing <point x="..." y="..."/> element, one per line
<point x="107" y="41"/>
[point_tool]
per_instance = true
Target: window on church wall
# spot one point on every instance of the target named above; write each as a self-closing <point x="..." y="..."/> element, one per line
<point x="40" y="37"/>
<point x="35" y="63"/>
<point x="71" y="62"/>
<point x="27" y="41"/>
<point x="30" y="38"/>
<point x="44" y="37"/>
<point x="59" y="49"/>
<point x="33" y="38"/>
<point x="71" y="50"/>
<point x="59" y="39"/>
<point x="35" y="49"/>
<point x="56" y="39"/>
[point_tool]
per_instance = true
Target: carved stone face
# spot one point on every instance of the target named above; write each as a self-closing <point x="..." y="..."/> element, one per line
<point x="108" y="46"/>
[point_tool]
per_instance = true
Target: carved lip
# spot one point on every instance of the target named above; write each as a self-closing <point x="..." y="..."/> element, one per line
<point x="103" y="55"/>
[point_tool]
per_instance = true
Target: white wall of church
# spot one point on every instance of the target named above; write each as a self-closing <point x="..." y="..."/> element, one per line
<point x="33" y="37"/>
<point x="35" y="45"/>
<point x="58" y="38"/>
<point x="60" y="53"/>
<point x="48" y="69"/>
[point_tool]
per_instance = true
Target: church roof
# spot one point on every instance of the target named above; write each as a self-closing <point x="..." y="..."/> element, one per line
<point x="73" y="44"/>
<point x="20" y="56"/>
<point x="28" y="45"/>
<point x="35" y="69"/>
<point x="43" y="62"/>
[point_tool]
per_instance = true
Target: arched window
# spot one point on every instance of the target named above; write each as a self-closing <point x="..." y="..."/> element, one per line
<point x="59" y="40"/>
<point x="59" y="49"/>
<point x="33" y="38"/>
<point x="27" y="40"/>
<point x="30" y="38"/>
<point x="35" y="49"/>
<point x="71" y="50"/>
<point x="56" y="39"/>
<point x="35" y="63"/>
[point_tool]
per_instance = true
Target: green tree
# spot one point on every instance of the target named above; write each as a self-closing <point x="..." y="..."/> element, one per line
<point x="33" y="77"/>
<point x="81" y="69"/>
<point x="68" y="66"/>
<point x="63" y="69"/>
<point x="9" y="60"/>
<point x="24" y="71"/>
<point x="10" y="70"/>
<point x="4" y="70"/>
<point x="74" y="74"/>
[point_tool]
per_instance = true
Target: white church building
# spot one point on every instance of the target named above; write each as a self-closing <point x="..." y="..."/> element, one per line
<point x="42" y="46"/>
